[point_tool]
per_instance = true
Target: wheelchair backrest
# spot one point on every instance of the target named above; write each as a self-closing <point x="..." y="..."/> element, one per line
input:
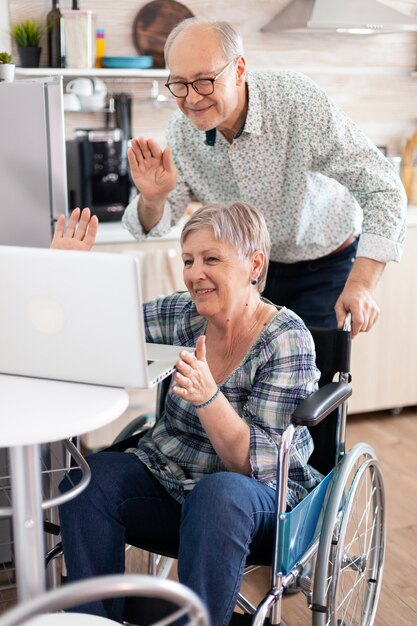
<point x="333" y="352"/>
<point x="161" y="394"/>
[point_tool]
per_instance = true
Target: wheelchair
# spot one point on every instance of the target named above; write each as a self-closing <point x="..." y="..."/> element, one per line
<point x="331" y="546"/>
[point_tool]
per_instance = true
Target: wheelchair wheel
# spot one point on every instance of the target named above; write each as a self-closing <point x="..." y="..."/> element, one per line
<point x="351" y="550"/>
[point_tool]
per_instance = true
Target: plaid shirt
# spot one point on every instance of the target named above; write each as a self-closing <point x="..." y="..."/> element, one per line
<point x="277" y="373"/>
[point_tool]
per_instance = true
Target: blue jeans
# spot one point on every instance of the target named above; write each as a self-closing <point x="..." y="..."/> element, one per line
<point x="311" y="288"/>
<point x="224" y="517"/>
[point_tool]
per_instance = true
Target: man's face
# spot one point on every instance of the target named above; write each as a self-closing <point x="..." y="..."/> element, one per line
<point x="196" y="53"/>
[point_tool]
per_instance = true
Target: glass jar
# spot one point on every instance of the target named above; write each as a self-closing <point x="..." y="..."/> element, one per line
<point x="80" y="40"/>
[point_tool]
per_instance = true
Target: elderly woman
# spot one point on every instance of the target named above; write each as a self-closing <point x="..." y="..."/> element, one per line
<point x="204" y="475"/>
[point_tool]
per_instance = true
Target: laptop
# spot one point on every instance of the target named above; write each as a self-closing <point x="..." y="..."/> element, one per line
<point x="77" y="316"/>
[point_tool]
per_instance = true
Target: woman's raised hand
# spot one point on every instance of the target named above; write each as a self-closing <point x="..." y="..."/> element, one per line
<point x="193" y="379"/>
<point x="152" y="170"/>
<point x="79" y="233"/>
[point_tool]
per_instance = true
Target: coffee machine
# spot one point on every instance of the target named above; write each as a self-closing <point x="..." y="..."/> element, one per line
<point x="98" y="171"/>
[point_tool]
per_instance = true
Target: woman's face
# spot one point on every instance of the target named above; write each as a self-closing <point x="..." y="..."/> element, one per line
<point x="216" y="277"/>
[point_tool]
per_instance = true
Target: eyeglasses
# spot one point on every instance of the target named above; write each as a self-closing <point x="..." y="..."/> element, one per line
<point x="202" y="86"/>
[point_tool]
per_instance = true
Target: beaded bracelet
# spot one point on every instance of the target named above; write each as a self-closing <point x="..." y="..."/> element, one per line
<point x="201" y="406"/>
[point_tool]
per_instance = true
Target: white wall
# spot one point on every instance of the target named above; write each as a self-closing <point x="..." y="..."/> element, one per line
<point x="4" y="26"/>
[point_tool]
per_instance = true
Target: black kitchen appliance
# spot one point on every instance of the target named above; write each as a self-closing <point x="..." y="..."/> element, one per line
<point x="98" y="173"/>
<point x="98" y="170"/>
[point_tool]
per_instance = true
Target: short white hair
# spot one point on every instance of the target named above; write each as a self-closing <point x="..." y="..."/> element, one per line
<point x="230" y="40"/>
<point x="237" y="223"/>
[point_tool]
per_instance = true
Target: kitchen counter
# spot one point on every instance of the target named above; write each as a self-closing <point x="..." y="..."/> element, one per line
<point x="115" y="232"/>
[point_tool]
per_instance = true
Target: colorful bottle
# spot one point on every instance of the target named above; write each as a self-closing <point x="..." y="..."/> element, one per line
<point x="56" y="42"/>
<point x="100" y="46"/>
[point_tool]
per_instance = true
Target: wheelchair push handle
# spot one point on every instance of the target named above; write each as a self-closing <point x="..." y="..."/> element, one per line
<point x="347" y="324"/>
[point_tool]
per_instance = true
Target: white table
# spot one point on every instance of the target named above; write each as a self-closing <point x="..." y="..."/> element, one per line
<point x="35" y="411"/>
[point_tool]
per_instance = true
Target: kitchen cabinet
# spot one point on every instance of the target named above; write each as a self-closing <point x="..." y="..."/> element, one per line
<point x="384" y="361"/>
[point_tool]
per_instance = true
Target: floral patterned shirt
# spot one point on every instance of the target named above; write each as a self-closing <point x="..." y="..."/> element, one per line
<point x="276" y="374"/>
<point x="300" y="160"/>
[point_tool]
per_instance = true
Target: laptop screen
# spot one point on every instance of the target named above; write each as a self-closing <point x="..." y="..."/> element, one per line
<point x="74" y="316"/>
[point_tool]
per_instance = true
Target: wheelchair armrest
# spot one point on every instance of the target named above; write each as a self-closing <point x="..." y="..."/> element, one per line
<point x="322" y="402"/>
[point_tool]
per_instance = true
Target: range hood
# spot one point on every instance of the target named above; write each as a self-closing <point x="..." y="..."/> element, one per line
<point x="348" y="16"/>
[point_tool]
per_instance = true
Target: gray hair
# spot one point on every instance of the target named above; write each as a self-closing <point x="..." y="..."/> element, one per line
<point x="237" y="223"/>
<point x="230" y="40"/>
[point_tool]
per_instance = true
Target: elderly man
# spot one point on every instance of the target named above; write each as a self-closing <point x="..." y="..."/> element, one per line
<point x="334" y="206"/>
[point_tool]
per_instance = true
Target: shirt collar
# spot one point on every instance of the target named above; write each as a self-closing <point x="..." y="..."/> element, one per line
<point x="211" y="135"/>
<point x="254" y="119"/>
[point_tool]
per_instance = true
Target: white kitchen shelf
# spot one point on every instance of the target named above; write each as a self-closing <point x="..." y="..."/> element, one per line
<point x="100" y="72"/>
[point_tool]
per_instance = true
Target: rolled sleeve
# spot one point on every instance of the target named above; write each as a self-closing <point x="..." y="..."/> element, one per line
<point x="378" y="248"/>
<point x="131" y="221"/>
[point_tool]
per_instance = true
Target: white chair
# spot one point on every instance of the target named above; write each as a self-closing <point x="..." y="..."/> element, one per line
<point x="186" y="604"/>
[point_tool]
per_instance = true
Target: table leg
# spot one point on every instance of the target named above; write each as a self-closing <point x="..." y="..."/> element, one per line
<point x="29" y="550"/>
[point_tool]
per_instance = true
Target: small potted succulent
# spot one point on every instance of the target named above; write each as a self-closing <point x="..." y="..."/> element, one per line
<point x="6" y="67"/>
<point x="27" y="36"/>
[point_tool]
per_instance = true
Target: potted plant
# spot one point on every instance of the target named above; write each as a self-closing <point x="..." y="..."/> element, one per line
<point x="27" y="37"/>
<point x="6" y="67"/>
